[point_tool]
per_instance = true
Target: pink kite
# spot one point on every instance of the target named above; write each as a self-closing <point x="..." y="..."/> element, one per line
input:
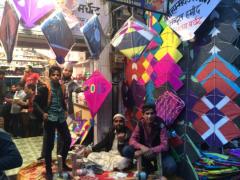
<point x="167" y="71"/>
<point x="33" y="10"/>
<point x="97" y="90"/>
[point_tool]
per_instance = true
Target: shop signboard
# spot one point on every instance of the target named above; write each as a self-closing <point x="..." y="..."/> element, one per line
<point x="186" y="16"/>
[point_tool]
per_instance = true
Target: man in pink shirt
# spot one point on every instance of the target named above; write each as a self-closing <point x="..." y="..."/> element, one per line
<point x="150" y="138"/>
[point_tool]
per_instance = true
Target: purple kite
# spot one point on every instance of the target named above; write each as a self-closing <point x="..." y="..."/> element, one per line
<point x="169" y="106"/>
<point x="33" y="10"/>
<point x="97" y="90"/>
<point x="59" y="36"/>
<point x="8" y="30"/>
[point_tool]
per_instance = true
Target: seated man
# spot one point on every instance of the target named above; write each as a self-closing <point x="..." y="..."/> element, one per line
<point x="109" y="152"/>
<point x="150" y="138"/>
<point x="9" y="155"/>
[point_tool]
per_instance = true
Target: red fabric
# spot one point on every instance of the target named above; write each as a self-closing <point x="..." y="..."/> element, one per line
<point x="31" y="78"/>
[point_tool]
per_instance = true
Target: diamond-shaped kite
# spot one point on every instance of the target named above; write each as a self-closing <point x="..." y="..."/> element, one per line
<point x="33" y="10"/>
<point x="133" y="37"/>
<point x="169" y="106"/>
<point x="59" y="36"/>
<point x="94" y="36"/>
<point x="97" y="90"/>
<point x="8" y="30"/>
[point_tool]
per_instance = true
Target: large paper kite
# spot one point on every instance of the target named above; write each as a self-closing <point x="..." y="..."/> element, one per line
<point x="217" y="80"/>
<point x="216" y="62"/>
<point x="97" y="90"/>
<point x="169" y="106"/>
<point x="225" y="32"/>
<point x="218" y="100"/>
<point x="224" y="49"/>
<point x="215" y="123"/>
<point x="133" y="37"/>
<point x="59" y="36"/>
<point x="170" y="39"/>
<point x="33" y="10"/>
<point x="8" y="30"/>
<point x="167" y="71"/>
<point x="94" y="36"/>
<point x="190" y="93"/>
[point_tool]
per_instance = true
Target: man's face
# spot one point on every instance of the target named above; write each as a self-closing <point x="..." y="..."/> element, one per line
<point x="67" y="73"/>
<point x="13" y="88"/>
<point x="149" y="116"/>
<point x="118" y="123"/>
<point x="55" y="77"/>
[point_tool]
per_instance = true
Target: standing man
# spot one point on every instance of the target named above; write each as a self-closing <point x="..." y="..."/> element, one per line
<point x="70" y="86"/>
<point x="149" y="138"/>
<point x="54" y="116"/>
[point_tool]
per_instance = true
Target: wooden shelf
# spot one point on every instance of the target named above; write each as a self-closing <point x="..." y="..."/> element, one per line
<point x="13" y="76"/>
<point x="27" y="60"/>
<point x="82" y="63"/>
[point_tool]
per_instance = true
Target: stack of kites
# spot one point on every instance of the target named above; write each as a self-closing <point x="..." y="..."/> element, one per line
<point x="217" y="166"/>
<point x="152" y="62"/>
<point x="217" y="110"/>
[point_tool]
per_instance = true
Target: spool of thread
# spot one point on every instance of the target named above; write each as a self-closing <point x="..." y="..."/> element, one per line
<point x="142" y="175"/>
<point x="82" y="172"/>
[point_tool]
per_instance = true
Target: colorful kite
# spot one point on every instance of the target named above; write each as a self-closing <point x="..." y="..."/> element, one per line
<point x="217" y="80"/>
<point x="94" y="36"/>
<point x="169" y="106"/>
<point x="225" y="50"/>
<point x="59" y="36"/>
<point x="216" y="62"/>
<point x="97" y="90"/>
<point x="167" y="71"/>
<point x="133" y="37"/>
<point x="8" y="30"/>
<point x="33" y="10"/>
<point x="215" y="123"/>
<point x="134" y="70"/>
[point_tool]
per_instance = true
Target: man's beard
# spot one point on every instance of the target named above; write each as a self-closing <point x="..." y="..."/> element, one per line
<point x="119" y="128"/>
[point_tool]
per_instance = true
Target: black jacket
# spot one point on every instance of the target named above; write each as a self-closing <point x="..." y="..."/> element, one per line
<point x="9" y="155"/>
<point x="107" y="142"/>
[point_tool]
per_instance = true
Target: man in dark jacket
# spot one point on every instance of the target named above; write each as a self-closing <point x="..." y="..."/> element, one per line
<point x="9" y="155"/>
<point x="54" y="116"/>
<point x="149" y="138"/>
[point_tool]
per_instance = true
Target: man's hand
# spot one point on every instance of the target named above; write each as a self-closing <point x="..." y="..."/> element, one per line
<point x="144" y="149"/>
<point x="45" y="116"/>
<point x="121" y="137"/>
<point x="86" y="152"/>
<point x="138" y="153"/>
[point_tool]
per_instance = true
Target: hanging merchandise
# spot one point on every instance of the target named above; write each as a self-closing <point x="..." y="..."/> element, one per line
<point x="8" y="30"/>
<point x="94" y="36"/>
<point x="226" y="50"/>
<point x="59" y="36"/>
<point x="168" y="107"/>
<point x="167" y="71"/>
<point x="132" y="38"/>
<point x="134" y="70"/>
<point x="216" y="63"/>
<point x="97" y="90"/>
<point x="138" y="92"/>
<point x="215" y="123"/>
<point x="33" y="10"/>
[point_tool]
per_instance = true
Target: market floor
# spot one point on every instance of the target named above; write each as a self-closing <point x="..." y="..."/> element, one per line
<point x="30" y="149"/>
